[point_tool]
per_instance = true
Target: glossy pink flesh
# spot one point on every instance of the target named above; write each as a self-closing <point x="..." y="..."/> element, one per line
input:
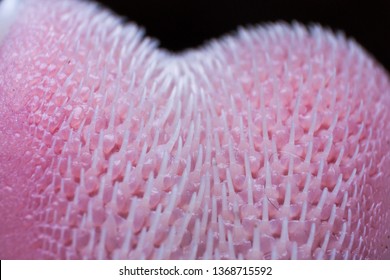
<point x="273" y="143"/>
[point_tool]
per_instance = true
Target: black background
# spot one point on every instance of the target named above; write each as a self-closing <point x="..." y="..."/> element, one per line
<point x="181" y="24"/>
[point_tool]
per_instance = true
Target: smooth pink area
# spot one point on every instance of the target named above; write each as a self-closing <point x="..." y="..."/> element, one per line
<point x="270" y="143"/>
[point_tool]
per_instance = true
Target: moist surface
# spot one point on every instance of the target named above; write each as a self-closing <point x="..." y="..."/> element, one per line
<point x="272" y="143"/>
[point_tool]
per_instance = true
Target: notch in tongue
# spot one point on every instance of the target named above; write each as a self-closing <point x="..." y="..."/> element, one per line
<point x="275" y="140"/>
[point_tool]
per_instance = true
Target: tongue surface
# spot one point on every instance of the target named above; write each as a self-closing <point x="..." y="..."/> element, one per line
<point x="273" y="143"/>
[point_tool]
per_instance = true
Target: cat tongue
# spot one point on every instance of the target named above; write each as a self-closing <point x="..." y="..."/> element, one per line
<point x="271" y="143"/>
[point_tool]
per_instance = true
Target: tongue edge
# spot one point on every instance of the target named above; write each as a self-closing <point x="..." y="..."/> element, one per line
<point x="8" y="12"/>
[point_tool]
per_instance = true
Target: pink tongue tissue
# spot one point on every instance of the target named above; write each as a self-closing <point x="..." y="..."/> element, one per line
<point x="272" y="143"/>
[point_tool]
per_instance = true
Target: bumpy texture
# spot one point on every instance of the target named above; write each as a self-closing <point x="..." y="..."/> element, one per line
<point x="271" y="143"/>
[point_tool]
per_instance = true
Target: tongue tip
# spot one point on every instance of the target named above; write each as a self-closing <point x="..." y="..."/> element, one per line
<point x="8" y="12"/>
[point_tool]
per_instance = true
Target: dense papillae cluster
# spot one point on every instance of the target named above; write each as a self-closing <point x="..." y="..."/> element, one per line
<point x="272" y="143"/>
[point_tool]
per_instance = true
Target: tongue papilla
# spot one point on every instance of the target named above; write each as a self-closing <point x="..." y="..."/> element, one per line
<point x="269" y="143"/>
